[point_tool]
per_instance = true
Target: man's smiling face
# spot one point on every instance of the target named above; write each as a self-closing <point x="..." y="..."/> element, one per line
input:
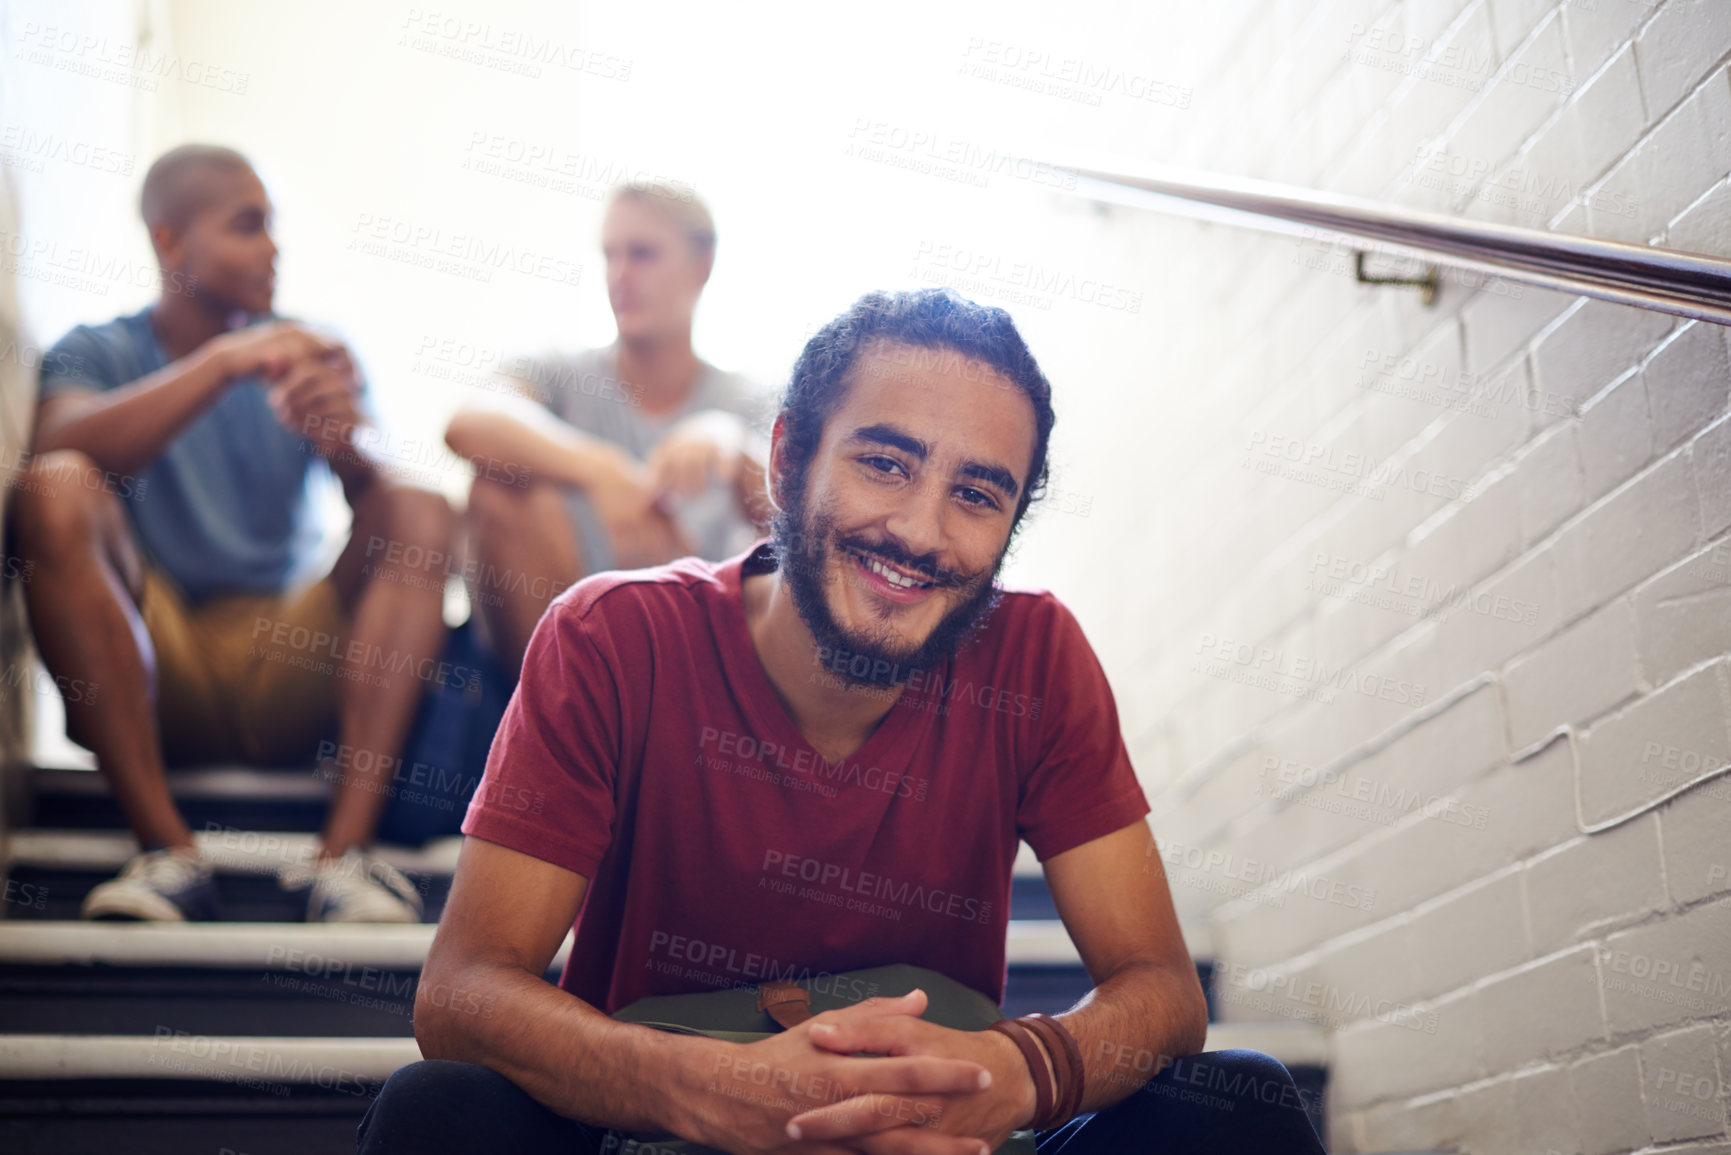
<point x="906" y="509"/>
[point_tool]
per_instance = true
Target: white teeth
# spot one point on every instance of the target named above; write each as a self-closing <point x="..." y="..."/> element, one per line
<point x="895" y="579"/>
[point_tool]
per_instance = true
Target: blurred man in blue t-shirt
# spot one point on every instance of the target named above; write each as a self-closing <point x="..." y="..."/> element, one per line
<point x="168" y="515"/>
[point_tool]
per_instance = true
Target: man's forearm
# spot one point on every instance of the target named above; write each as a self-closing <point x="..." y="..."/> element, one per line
<point x="1132" y="1025"/>
<point x="565" y="1053"/>
<point x="556" y="453"/>
<point x="124" y="430"/>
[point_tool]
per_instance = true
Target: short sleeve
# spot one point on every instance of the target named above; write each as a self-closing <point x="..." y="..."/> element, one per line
<point x="76" y="361"/>
<point x="549" y="787"/>
<point x="1081" y="785"/>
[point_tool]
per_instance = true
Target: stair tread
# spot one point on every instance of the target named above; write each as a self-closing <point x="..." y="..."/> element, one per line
<point x="236" y="852"/>
<point x="179" y="1056"/>
<point x="1030" y="942"/>
<point x="143" y="1056"/>
<point x="220" y="781"/>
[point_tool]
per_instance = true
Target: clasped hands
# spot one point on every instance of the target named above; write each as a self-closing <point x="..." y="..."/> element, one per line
<point x="314" y="388"/>
<point x="634" y="499"/>
<point x="925" y="1090"/>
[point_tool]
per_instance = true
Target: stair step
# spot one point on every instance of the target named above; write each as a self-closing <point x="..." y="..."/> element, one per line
<point x="168" y="1053"/>
<point x="243" y="797"/>
<point x="79" y="977"/>
<point x="63" y="866"/>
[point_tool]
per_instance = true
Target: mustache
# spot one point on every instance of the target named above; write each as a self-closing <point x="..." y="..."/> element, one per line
<point x="925" y="566"/>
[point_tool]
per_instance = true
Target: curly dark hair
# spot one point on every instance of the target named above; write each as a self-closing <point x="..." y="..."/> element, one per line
<point x="935" y="320"/>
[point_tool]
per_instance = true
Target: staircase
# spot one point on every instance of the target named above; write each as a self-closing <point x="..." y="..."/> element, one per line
<point x="272" y="1035"/>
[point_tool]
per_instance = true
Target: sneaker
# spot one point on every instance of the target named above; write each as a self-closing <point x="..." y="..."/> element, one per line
<point x="157" y="886"/>
<point x="358" y="887"/>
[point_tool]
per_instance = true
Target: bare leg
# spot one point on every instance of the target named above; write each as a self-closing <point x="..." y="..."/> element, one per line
<point x="391" y="578"/>
<point x="526" y="555"/>
<point x="83" y="601"/>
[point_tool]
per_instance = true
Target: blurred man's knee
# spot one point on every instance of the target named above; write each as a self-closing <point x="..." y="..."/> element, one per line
<point x="438" y="1105"/>
<point x="59" y="502"/>
<point x="496" y="508"/>
<point x="420" y="516"/>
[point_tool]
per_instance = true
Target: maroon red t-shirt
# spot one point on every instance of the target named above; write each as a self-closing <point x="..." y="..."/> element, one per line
<point x="646" y="750"/>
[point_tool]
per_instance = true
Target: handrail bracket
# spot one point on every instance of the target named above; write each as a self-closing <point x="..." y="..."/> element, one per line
<point x="1431" y="282"/>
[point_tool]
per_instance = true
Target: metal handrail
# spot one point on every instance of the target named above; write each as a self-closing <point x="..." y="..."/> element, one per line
<point x="1666" y="280"/>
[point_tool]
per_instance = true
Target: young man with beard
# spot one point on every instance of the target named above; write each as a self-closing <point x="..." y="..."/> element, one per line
<point x="167" y="511"/>
<point x="739" y="776"/>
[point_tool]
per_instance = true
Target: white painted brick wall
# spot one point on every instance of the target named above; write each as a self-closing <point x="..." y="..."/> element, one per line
<point x="1607" y="1093"/>
<point x="1572" y="570"/>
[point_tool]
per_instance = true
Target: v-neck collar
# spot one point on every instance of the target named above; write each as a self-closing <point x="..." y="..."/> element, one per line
<point x="751" y="681"/>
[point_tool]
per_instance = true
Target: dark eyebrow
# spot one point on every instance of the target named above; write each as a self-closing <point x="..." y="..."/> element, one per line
<point x="893" y="437"/>
<point x="991" y="474"/>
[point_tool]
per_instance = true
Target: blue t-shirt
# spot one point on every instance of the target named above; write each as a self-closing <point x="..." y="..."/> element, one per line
<point x="226" y="508"/>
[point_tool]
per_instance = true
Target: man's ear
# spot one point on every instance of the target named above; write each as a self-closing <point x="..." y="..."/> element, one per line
<point x="777" y="461"/>
<point x="166" y="240"/>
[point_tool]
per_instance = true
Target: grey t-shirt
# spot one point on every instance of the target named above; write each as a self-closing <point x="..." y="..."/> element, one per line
<point x="584" y="390"/>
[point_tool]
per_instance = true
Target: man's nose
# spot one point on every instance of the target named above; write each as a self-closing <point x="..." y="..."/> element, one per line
<point x="917" y="522"/>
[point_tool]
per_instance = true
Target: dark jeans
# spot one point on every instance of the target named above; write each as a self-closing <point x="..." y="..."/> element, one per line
<point x="1216" y="1103"/>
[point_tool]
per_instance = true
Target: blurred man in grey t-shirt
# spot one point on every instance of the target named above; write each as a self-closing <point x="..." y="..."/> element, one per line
<point x="637" y="453"/>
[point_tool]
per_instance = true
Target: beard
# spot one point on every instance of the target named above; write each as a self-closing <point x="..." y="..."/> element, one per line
<point x="805" y="543"/>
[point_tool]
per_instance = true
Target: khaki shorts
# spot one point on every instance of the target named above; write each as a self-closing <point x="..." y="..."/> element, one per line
<point x="248" y="678"/>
